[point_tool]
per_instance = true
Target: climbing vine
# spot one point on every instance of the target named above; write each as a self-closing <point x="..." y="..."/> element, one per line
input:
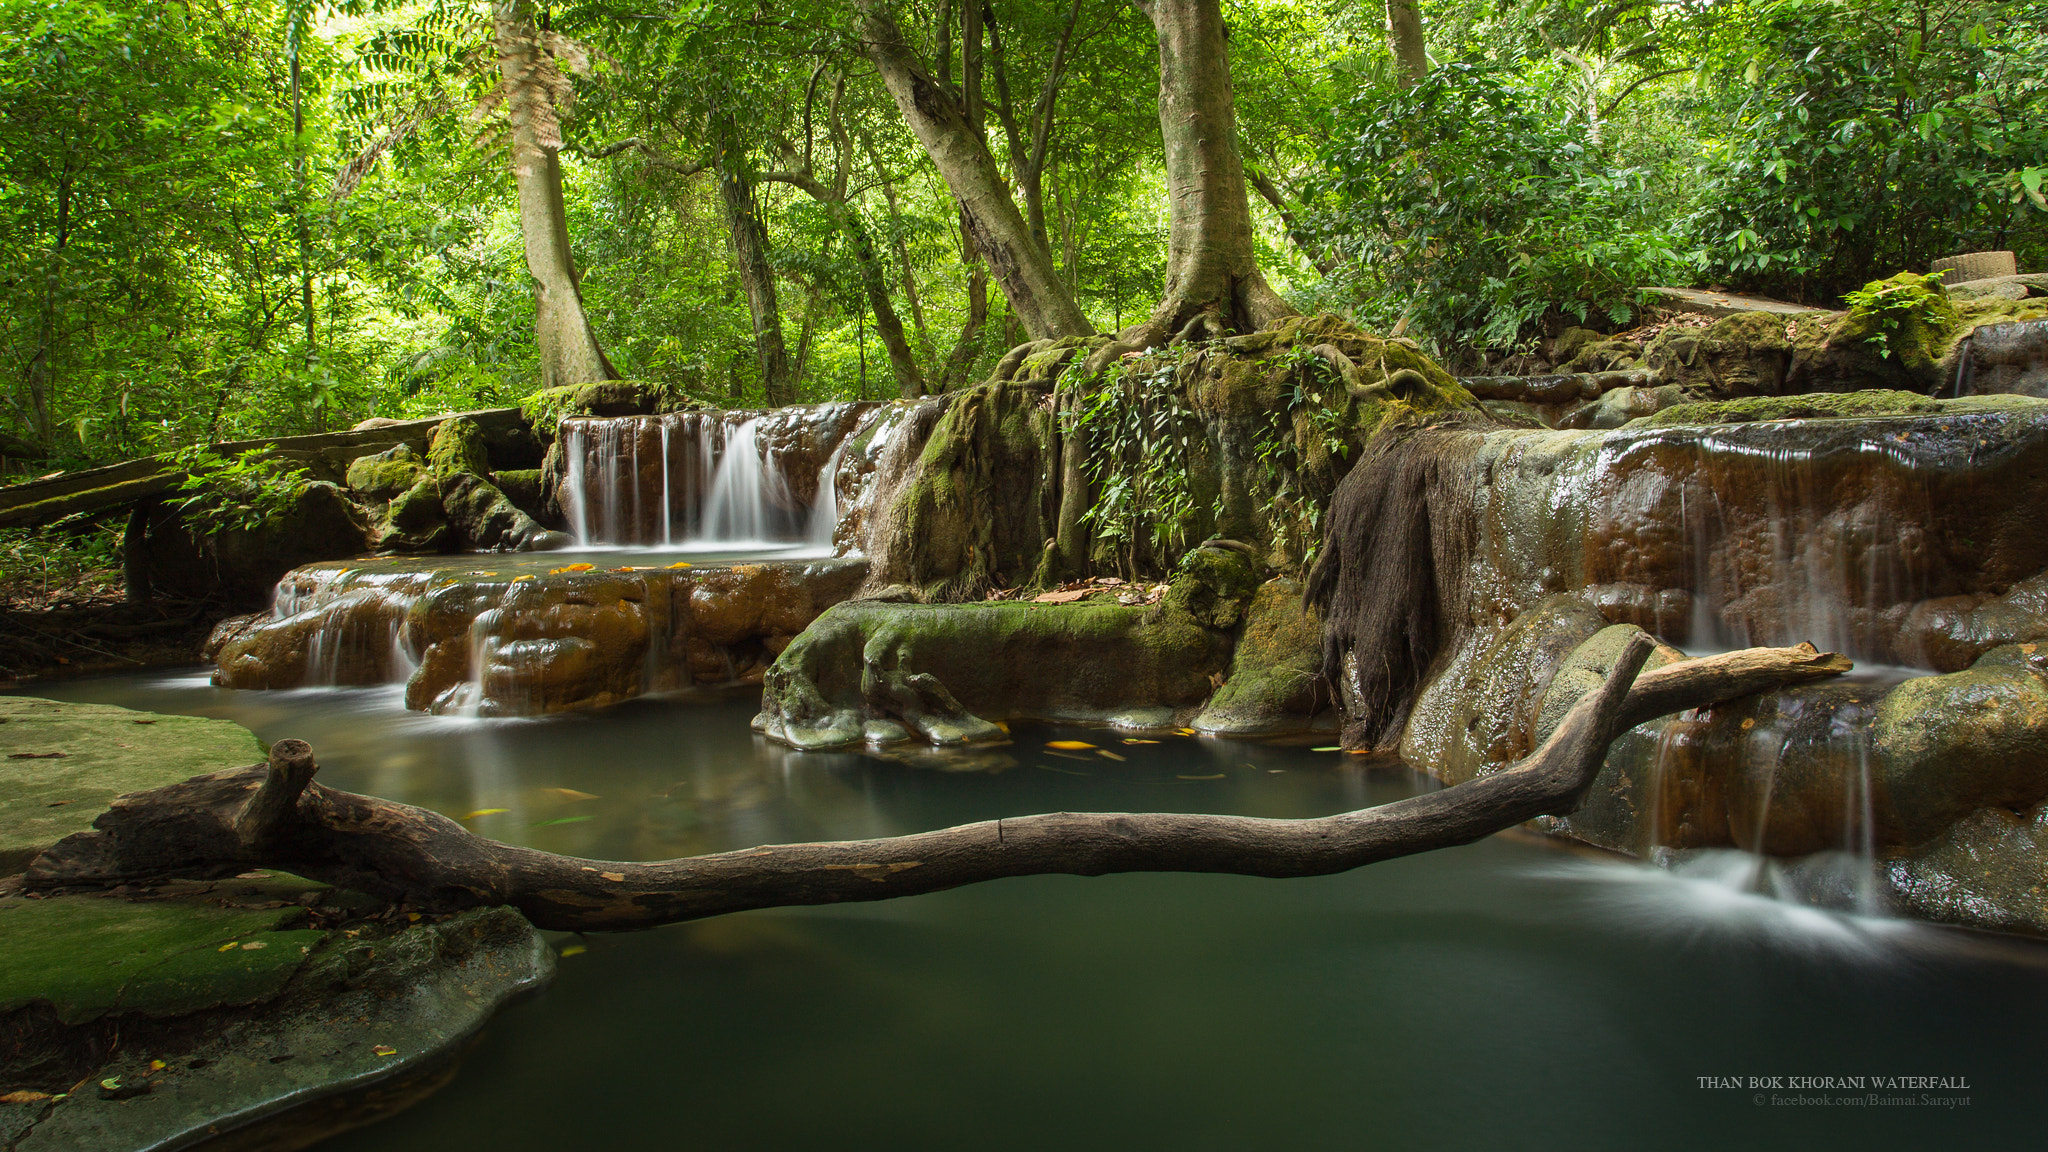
<point x="1141" y="439"/>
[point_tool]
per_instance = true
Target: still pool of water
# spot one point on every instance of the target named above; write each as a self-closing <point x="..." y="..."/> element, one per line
<point x="1503" y="994"/>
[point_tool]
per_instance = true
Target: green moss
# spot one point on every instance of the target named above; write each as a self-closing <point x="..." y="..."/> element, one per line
<point x="88" y="955"/>
<point x="1211" y="584"/>
<point x="545" y="409"/>
<point x="457" y="447"/>
<point x="1909" y="315"/>
<point x="1815" y="405"/>
<point x="386" y="474"/>
<point x="104" y="752"/>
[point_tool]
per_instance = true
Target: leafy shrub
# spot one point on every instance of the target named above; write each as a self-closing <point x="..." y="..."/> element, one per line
<point x="239" y="494"/>
<point x="1474" y="204"/>
<point x="1877" y="136"/>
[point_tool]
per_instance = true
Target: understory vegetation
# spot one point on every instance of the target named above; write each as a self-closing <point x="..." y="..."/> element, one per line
<point x="285" y="216"/>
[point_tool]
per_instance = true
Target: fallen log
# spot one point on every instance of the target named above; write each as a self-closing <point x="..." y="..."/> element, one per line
<point x="273" y="815"/>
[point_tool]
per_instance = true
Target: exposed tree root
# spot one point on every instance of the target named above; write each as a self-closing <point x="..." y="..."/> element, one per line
<point x="274" y="816"/>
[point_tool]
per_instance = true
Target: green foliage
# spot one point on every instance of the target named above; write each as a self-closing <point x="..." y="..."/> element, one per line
<point x="1902" y="308"/>
<point x="58" y="555"/>
<point x="1465" y="204"/>
<point x="1876" y="136"/>
<point x="1141" y="439"/>
<point x="238" y="494"/>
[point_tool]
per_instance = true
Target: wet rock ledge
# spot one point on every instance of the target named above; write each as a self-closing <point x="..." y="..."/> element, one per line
<point x="259" y="1011"/>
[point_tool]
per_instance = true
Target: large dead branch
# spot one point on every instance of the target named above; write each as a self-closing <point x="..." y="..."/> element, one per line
<point x="274" y="816"/>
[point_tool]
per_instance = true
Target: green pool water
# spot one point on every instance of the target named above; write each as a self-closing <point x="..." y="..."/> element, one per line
<point x="1507" y="994"/>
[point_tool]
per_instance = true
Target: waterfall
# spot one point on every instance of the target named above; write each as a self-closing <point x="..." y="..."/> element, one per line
<point x="708" y="478"/>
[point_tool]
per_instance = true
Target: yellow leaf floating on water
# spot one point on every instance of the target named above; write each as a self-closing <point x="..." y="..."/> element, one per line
<point x="571" y="568"/>
<point x="568" y="794"/>
<point x="680" y="564"/>
<point x="157" y="1065"/>
<point x="228" y="945"/>
<point x="1185" y="731"/>
<point x="1135" y="740"/>
<point x="574" y="950"/>
<point x="517" y="579"/>
<point x="384" y="1050"/>
<point x="1331" y="748"/>
<point x="1071" y="745"/>
<point x="482" y="812"/>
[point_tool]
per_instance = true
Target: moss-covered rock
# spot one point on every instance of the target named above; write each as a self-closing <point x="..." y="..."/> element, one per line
<point x="385" y="475"/>
<point x="1275" y="680"/>
<point x="1816" y="405"/>
<point x="545" y="409"/>
<point x="1748" y="354"/>
<point x="950" y="673"/>
<point x="456" y="447"/>
<point x="64" y="762"/>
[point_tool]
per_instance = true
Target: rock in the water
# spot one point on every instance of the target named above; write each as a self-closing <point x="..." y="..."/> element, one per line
<point x="1275" y="681"/>
<point x="64" y="762"/>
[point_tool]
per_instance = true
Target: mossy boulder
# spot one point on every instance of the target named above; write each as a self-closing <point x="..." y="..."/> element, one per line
<point x="1811" y="406"/>
<point x="545" y="409"/>
<point x="1748" y="354"/>
<point x="382" y="477"/>
<point x="457" y="446"/>
<point x="949" y="673"/>
<point x="1275" y="679"/>
<point x="64" y="762"/>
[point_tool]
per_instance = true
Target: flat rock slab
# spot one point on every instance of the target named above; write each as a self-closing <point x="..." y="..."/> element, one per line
<point x="371" y="1027"/>
<point x="188" y="948"/>
<point x="1727" y="303"/>
<point x="61" y="764"/>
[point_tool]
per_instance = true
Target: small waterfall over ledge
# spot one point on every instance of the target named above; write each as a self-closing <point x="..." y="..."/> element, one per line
<point x="750" y="479"/>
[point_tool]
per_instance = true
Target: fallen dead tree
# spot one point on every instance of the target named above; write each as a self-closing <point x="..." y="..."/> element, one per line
<point x="273" y="816"/>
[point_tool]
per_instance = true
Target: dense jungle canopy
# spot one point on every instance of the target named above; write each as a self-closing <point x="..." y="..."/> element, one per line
<point x="276" y="216"/>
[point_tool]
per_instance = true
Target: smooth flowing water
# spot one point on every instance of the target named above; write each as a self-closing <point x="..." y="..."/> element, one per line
<point x="1503" y="994"/>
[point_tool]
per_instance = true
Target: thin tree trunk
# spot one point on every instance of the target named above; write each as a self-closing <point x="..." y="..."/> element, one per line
<point x="569" y="351"/>
<point x="41" y="374"/>
<point x="967" y="348"/>
<point x="749" y="244"/>
<point x="1404" y="40"/>
<point x="1213" y="282"/>
<point x="274" y="816"/>
<point x="1022" y="267"/>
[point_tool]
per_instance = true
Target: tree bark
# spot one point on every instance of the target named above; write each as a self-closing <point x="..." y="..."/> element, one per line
<point x="1213" y="282"/>
<point x="749" y="243"/>
<point x="569" y="351"/>
<point x="273" y="816"/>
<point x="1022" y="267"/>
<point x="1404" y="40"/>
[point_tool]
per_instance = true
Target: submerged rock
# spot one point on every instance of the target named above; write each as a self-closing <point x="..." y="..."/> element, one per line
<point x="1275" y="680"/>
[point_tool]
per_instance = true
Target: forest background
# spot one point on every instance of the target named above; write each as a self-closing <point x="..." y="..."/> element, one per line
<point x="230" y="220"/>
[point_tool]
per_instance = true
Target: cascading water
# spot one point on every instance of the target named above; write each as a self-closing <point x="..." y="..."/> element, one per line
<point x="708" y="478"/>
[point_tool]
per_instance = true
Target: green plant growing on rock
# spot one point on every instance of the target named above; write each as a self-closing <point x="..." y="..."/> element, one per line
<point x="1903" y="313"/>
<point x="238" y="494"/>
<point x="1142" y="437"/>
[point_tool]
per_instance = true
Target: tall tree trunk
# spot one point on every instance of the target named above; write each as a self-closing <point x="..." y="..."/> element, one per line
<point x="569" y="351"/>
<point x="1213" y="282"/>
<point x="1022" y="267"/>
<point x="1404" y="40"/>
<point x="750" y="257"/>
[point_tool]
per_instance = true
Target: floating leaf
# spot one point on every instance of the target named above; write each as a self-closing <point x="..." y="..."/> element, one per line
<point x="384" y="1050"/>
<point x="574" y="950"/>
<point x="157" y="1065"/>
<point x="1214" y="776"/>
<point x="563" y="820"/>
<point x="226" y="946"/>
<point x="23" y="1097"/>
<point x="1184" y="731"/>
<point x="1331" y="748"/>
<point x="482" y="812"/>
<point x="571" y="568"/>
<point x="568" y="794"/>
<point x="680" y="564"/>
<point x="517" y="579"/>
<point x="1071" y="745"/>
<point x="1135" y="740"/>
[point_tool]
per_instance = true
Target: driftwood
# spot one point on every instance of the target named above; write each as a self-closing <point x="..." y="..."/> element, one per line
<point x="274" y="816"/>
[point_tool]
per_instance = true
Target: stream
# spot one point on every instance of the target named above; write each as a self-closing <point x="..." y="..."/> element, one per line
<point x="1506" y="992"/>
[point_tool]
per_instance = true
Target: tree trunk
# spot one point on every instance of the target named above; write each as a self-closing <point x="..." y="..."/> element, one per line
<point x="749" y="243"/>
<point x="41" y="375"/>
<point x="273" y="816"/>
<point x="1404" y="40"/>
<point x="1022" y="267"/>
<point x="569" y="351"/>
<point x="1213" y="282"/>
